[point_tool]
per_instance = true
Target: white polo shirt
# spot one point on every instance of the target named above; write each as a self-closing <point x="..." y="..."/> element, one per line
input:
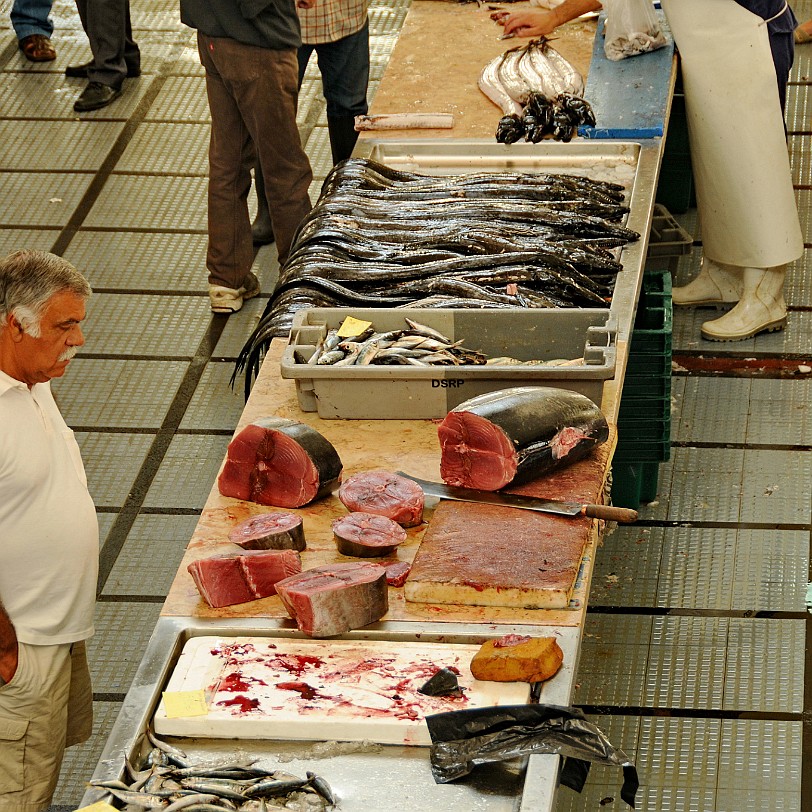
<point x="49" y="534"/>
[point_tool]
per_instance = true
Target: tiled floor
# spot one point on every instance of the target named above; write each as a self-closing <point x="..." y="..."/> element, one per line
<point x="694" y="653"/>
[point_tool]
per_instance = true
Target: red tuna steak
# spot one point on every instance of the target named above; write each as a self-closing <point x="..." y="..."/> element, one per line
<point x="274" y="461"/>
<point x="514" y="435"/>
<point x="223" y="580"/>
<point x="367" y="535"/>
<point x="270" y="531"/>
<point x="385" y="494"/>
<point x="336" y="598"/>
<point x="396" y="572"/>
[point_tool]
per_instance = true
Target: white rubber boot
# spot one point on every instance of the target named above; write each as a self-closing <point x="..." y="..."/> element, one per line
<point x="715" y="285"/>
<point x="761" y="308"/>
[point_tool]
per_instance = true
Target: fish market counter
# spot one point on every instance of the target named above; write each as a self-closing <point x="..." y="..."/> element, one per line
<point x="375" y="771"/>
<point x="439" y="56"/>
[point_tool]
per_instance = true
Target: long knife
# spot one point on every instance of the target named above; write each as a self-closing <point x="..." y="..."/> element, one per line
<point x="515" y="500"/>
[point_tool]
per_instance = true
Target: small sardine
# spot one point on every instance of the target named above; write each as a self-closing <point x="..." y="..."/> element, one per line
<point x="110" y="783"/>
<point x="322" y="787"/>
<point x="190" y="800"/>
<point x="275" y="787"/>
<point x="167" y="748"/>
<point x="329" y="358"/>
<point x="141" y="799"/>
<point x="430" y="332"/>
<point x="221" y="787"/>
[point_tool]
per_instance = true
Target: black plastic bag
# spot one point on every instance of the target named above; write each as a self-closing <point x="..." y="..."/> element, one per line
<point x="463" y="739"/>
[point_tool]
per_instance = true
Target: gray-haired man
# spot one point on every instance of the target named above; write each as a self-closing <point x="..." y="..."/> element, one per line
<point x="49" y="536"/>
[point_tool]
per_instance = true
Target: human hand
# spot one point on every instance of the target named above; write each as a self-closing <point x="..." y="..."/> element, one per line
<point x="305" y="3"/>
<point x="528" y="23"/>
<point x="8" y="664"/>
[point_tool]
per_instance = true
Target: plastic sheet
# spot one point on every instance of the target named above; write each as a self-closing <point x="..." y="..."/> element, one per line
<point x="632" y="28"/>
<point x="461" y="740"/>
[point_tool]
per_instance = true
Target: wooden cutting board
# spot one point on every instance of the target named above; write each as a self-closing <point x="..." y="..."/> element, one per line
<point x="489" y="555"/>
<point x="322" y="690"/>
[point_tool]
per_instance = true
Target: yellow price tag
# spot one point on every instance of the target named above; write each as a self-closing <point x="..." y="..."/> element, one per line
<point x="353" y="327"/>
<point x="99" y="806"/>
<point x="185" y="703"/>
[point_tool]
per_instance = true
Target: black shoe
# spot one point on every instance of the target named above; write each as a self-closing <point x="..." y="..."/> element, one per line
<point x="262" y="232"/>
<point x="95" y="96"/>
<point x="82" y="71"/>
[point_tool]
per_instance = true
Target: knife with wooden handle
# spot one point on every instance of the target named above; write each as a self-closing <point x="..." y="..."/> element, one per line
<point x="515" y="500"/>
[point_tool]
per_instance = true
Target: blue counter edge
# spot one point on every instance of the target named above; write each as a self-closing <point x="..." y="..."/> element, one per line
<point x="613" y="90"/>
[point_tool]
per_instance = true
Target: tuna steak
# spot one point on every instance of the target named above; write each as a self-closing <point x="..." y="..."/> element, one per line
<point x="270" y="531"/>
<point x="274" y="461"/>
<point x="367" y="535"/>
<point x="223" y="580"/>
<point x="385" y="494"/>
<point x="396" y="572"/>
<point x="514" y="435"/>
<point x="335" y="598"/>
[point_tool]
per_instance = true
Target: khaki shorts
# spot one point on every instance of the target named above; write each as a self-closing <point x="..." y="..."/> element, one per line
<point x="47" y="706"/>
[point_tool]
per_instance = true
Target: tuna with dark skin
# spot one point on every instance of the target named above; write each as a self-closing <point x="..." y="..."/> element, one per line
<point x="514" y="435"/>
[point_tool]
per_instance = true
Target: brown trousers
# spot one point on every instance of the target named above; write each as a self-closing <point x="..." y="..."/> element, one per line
<point x="252" y="94"/>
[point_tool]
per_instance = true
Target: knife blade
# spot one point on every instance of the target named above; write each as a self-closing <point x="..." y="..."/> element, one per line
<point x="515" y="500"/>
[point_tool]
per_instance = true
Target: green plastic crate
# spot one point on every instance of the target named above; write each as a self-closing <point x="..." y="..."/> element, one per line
<point x="644" y="364"/>
<point x="634" y="482"/>
<point x="644" y="450"/>
<point x="656" y="292"/>
<point x="639" y="416"/>
<point x="652" y="331"/>
<point x="646" y="386"/>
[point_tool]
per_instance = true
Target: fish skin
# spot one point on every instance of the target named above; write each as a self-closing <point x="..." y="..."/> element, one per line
<point x="491" y="86"/>
<point x="510" y="77"/>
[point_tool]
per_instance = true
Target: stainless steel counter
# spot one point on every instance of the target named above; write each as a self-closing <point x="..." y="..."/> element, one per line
<point x="364" y="776"/>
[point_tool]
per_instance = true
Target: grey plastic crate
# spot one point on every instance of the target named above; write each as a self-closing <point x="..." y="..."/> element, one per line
<point x="667" y="241"/>
<point x="409" y="392"/>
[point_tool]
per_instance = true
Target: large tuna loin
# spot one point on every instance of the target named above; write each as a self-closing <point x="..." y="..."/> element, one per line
<point x="223" y="580"/>
<point x="274" y="461"/>
<point x="336" y="598"/>
<point x="385" y="494"/>
<point x="514" y="435"/>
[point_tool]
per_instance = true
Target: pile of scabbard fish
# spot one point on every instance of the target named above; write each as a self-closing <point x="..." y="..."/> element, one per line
<point x="169" y="781"/>
<point x="539" y="92"/>
<point x="380" y="237"/>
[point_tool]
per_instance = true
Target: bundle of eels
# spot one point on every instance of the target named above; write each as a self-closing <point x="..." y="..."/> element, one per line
<point x="380" y="237"/>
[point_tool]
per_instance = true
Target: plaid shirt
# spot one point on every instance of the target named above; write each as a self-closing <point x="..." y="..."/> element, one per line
<point x="332" y="20"/>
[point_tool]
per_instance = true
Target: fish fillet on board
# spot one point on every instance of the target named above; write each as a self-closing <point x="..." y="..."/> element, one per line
<point x="488" y="555"/>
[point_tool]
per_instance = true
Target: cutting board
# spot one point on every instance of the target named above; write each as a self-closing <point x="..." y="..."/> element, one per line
<point x="322" y="690"/>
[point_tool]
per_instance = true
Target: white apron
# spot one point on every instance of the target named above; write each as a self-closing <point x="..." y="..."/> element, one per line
<point x="745" y="200"/>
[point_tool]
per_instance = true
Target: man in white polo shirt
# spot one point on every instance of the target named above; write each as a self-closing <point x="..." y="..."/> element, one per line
<point x="49" y="536"/>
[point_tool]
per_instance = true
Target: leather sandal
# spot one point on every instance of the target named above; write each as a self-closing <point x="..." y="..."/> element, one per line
<point x="37" y="48"/>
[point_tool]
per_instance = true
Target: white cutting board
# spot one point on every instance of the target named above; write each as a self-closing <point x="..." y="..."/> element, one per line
<point x="337" y="690"/>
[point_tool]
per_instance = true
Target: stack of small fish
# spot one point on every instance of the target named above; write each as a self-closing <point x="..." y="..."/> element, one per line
<point x="379" y="237"/>
<point x="539" y="92"/>
<point x="170" y="782"/>
<point x="418" y="345"/>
